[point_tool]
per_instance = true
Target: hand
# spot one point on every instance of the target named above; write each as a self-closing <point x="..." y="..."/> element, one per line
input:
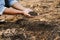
<point x="26" y="11"/>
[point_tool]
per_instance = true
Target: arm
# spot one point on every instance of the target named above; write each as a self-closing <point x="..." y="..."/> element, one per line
<point x="12" y="11"/>
<point x="18" y="6"/>
<point x="15" y="4"/>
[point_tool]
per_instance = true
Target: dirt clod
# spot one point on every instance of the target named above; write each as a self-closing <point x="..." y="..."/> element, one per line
<point x="33" y="13"/>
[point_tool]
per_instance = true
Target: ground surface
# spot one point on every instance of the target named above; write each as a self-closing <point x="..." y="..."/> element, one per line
<point x="46" y="26"/>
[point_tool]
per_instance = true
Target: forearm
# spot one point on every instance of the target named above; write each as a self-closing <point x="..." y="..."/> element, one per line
<point x="18" y="6"/>
<point x="12" y="11"/>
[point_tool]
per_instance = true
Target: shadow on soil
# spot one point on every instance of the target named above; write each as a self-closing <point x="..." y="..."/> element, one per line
<point x="35" y="26"/>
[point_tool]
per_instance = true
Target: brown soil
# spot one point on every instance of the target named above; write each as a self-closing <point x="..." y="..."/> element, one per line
<point x="44" y="26"/>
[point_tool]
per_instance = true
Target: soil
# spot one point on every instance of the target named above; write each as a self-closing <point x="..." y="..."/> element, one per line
<point x="44" y="26"/>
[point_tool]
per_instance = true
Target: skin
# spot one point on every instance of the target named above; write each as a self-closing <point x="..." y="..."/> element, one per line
<point x="18" y="9"/>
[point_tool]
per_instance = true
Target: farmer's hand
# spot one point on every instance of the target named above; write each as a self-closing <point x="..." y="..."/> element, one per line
<point x="26" y="12"/>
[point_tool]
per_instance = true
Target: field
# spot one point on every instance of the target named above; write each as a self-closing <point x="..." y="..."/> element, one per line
<point x="44" y="26"/>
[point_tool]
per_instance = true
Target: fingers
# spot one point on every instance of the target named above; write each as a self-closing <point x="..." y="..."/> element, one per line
<point x="26" y="12"/>
<point x="28" y="15"/>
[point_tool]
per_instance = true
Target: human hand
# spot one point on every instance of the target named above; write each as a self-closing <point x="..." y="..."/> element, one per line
<point x="26" y="12"/>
